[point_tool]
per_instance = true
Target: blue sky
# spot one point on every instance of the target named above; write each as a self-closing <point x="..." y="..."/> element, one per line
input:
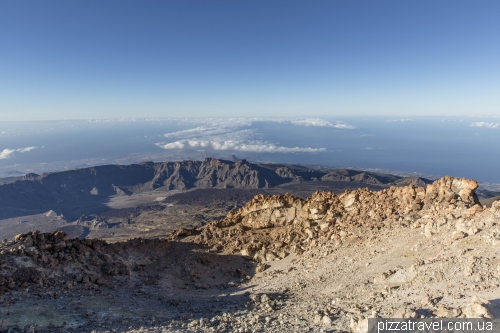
<point x="107" y="59"/>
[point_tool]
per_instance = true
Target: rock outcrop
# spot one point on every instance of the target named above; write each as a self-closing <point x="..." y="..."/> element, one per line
<point x="458" y="191"/>
<point x="270" y="227"/>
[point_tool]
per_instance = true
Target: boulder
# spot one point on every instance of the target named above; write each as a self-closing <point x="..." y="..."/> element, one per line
<point x="477" y="309"/>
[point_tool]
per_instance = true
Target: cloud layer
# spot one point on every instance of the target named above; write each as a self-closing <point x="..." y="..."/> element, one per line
<point x="251" y="146"/>
<point x="404" y="120"/>
<point x="238" y="134"/>
<point x="8" y="153"/>
<point x="319" y="123"/>
<point x="484" y="124"/>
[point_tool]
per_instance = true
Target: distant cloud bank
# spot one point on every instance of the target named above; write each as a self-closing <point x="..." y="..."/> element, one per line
<point x="405" y="120"/>
<point x="254" y="147"/>
<point x="484" y="124"/>
<point x="8" y="153"/>
<point x="236" y="134"/>
<point x="320" y="123"/>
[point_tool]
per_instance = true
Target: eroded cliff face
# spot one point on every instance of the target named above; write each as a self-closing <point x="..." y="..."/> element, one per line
<point x="270" y="227"/>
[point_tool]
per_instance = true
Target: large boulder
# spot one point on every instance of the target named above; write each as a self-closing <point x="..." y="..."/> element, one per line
<point x="458" y="191"/>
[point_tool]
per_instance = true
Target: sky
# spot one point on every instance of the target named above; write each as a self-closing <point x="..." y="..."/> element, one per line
<point x="123" y="59"/>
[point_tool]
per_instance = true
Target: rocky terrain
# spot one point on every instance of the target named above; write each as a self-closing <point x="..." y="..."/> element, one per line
<point x="157" y="213"/>
<point x="119" y="202"/>
<point x="279" y="263"/>
<point x="83" y="191"/>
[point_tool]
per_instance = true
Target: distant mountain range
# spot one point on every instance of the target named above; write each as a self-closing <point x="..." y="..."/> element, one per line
<point x="73" y="187"/>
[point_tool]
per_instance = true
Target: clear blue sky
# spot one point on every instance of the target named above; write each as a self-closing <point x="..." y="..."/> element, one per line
<point x="100" y="59"/>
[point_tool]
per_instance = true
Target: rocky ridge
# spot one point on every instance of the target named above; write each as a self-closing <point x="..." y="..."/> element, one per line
<point x="65" y="192"/>
<point x="270" y="227"/>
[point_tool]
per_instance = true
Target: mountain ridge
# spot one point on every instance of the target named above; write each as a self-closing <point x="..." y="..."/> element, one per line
<point x="96" y="184"/>
<point x="210" y="172"/>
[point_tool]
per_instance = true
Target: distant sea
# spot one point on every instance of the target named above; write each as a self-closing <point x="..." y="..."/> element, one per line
<point x="434" y="146"/>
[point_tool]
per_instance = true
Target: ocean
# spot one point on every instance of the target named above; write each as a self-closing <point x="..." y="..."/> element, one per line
<point x="433" y="146"/>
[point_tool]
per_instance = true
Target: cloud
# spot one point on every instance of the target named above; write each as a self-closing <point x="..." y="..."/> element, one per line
<point x="24" y="150"/>
<point x="172" y="145"/>
<point x="320" y="123"/>
<point x="111" y="120"/>
<point x="251" y="146"/>
<point x="240" y="134"/>
<point x="484" y="124"/>
<point x="8" y="153"/>
<point x="211" y="126"/>
<point x="344" y="126"/>
<point x="222" y="129"/>
<point x="399" y="120"/>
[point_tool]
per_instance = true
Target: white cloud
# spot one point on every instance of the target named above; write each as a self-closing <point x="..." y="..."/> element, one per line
<point x="238" y="134"/>
<point x="484" y="124"/>
<point x="24" y="150"/>
<point x="213" y="130"/>
<point x="250" y="146"/>
<point x="320" y="123"/>
<point x="399" y="120"/>
<point x="172" y="145"/>
<point x="8" y="153"/>
<point x="221" y="125"/>
<point x="111" y="120"/>
<point x="344" y="126"/>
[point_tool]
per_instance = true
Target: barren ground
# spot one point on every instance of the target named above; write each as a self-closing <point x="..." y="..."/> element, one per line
<point x="155" y="213"/>
<point x="179" y="286"/>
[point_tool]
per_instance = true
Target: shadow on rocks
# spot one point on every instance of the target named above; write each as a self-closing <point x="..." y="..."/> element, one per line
<point x="86" y="285"/>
